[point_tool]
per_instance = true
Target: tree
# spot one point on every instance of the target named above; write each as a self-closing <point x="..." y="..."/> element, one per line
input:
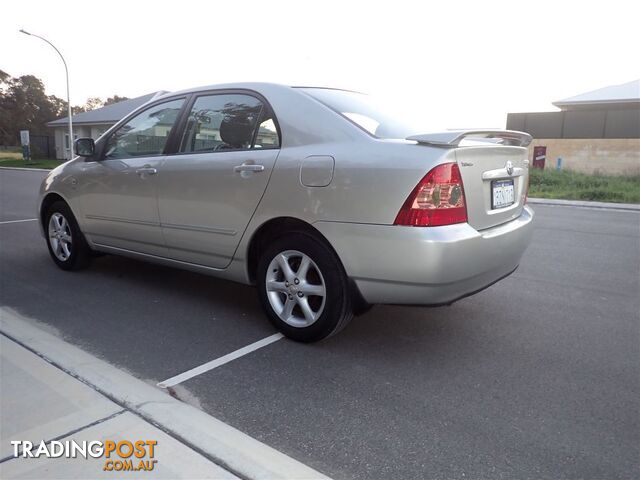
<point x="24" y="105"/>
<point x="91" y="104"/>
<point x="114" y="99"/>
<point x="96" y="102"/>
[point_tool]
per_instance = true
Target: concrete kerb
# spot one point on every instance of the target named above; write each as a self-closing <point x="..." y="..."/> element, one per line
<point x="224" y="445"/>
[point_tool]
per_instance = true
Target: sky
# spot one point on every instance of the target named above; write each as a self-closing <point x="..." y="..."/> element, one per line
<point x="454" y="64"/>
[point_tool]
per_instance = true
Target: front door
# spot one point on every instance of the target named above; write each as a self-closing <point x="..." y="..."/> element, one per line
<point x="119" y="201"/>
<point x="209" y="190"/>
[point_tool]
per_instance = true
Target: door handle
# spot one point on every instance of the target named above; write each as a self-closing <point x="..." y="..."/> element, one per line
<point x="248" y="167"/>
<point x="146" y="170"/>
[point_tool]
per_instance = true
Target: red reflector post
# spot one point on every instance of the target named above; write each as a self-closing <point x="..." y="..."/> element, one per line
<point x="437" y="200"/>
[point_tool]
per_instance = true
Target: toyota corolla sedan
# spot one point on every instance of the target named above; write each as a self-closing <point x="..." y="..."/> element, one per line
<point x="323" y="200"/>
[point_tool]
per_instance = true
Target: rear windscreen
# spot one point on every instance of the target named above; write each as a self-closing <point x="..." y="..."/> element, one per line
<point x="367" y="113"/>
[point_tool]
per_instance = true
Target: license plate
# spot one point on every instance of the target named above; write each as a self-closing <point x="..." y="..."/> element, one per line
<point x="502" y="193"/>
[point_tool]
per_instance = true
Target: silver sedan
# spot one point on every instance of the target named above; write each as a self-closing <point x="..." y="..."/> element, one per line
<point x="323" y="200"/>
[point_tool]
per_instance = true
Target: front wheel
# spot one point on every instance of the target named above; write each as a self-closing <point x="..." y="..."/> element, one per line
<point x="67" y="246"/>
<point x="303" y="288"/>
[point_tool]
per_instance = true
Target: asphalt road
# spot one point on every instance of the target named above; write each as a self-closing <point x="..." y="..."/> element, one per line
<point x="536" y="377"/>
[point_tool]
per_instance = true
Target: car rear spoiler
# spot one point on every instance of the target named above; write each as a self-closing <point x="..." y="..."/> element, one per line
<point x="452" y="138"/>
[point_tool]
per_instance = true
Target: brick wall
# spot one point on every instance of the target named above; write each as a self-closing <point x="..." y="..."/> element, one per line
<point x="610" y="156"/>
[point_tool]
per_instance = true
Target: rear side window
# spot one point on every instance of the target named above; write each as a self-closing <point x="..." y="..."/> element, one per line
<point x="145" y="134"/>
<point x="267" y="136"/>
<point x="227" y="122"/>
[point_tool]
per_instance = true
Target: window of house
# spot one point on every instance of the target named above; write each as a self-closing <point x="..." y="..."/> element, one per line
<point x="145" y="134"/>
<point x="66" y="140"/>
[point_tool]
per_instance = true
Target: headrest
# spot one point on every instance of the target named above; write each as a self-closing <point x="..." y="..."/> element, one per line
<point x="236" y="131"/>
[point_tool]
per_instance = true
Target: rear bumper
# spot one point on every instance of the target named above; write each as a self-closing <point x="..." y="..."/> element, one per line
<point x="427" y="266"/>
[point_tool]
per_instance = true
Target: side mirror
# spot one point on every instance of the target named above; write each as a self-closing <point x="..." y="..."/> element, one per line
<point x="85" y="147"/>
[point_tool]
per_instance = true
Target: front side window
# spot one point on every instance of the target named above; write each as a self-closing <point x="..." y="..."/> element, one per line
<point x="228" y="122"/>
<point x="145" y="134"/>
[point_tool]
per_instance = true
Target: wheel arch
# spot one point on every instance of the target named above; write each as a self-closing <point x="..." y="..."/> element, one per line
<point x="48" y="200"/>
<point x="279" y="226"/>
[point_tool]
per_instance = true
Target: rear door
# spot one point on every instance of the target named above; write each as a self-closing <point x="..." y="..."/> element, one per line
<point x="495" y="180"/>
<point x="210" y="188"/>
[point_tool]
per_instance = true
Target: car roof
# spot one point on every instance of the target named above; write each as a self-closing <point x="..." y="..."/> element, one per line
<point x="257" y="86"/>
<point x="260" y="87"/>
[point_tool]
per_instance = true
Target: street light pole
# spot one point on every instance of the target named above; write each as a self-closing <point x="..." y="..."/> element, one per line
<point x="68" y="96"/>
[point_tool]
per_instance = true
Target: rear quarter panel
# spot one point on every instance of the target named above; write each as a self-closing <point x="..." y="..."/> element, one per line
<point x="371" y="181"/>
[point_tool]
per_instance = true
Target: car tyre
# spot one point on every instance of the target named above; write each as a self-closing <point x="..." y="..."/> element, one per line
<point x="67" y="245"/>
<point x="303" y="288"/>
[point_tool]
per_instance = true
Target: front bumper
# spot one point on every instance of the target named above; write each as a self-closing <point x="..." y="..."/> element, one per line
<point x="427" y="265"/>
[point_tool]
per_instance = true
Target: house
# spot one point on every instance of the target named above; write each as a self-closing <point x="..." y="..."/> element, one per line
<point x="93" y="123"/>
<point x="596" y="131"/>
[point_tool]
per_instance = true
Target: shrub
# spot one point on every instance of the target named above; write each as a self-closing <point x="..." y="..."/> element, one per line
<point x="569" y="185"/>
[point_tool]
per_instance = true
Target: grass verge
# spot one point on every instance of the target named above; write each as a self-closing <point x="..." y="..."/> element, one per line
<point x="8" y="159"/>
<point x="568" y="185"/>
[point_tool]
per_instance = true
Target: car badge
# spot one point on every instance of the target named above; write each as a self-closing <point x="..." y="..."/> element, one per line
<point x="509" y="167"/>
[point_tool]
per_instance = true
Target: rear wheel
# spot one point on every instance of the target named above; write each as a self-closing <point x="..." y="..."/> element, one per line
<point x="303" y="288"/>
<point x="67" y="246"/>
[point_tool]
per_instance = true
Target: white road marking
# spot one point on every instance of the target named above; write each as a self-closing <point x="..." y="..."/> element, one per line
<point x="219" y="361"/>
<point x="240" y="454"/>
<point x="19" y="221"/>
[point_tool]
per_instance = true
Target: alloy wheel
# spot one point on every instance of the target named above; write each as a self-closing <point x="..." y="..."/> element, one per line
<point x="295" y="288"/>
<point x="60" y="237"/>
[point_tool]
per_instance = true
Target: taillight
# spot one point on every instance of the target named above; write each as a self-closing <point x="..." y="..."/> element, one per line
<point x="437" y="200"/>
